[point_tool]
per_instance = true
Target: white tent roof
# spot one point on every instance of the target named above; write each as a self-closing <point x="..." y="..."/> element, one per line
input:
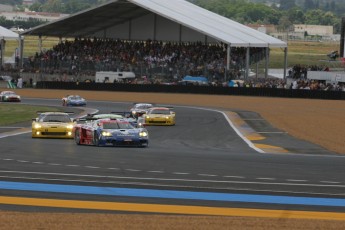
<point x="136" y="20"/>
<point x="7" y="34"/>
<point x="209" y="23"/>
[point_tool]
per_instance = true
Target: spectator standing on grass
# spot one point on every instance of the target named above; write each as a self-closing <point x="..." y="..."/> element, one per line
<point x="20" y="83"/>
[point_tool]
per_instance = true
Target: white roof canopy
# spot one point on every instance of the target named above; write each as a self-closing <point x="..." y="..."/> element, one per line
<point x="165" y="20"/>
<point x="7" y="34"/>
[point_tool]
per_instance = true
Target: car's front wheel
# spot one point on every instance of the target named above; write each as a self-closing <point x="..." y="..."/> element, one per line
<point x="95" y="139"/>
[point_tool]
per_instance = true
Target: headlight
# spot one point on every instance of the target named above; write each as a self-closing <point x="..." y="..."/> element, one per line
<point x="106" y="134"/>
<point x="147" y="116"/>
<point x="69" y="126"/>
<point x="143" y="134"/>
<point x="167" y="118"/>
<point x="37" y="126"/>
<point x="134" y="112"/>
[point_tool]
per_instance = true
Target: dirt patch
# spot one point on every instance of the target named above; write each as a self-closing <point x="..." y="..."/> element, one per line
<point x="317" y="121"/>
<point x="51" y="221"/>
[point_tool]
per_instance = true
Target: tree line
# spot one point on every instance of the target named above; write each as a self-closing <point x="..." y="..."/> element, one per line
<point x="282" y="13"/>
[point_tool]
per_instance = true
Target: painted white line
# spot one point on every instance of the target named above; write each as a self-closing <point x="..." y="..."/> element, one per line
<point x="91" y="167"/>
<point x="246" y="140"/>
<point x="330" y="182"/>
<point x="249" y="143"/>
<point x="181" y="173"/>
<point x="207" y="175"/>
<point x="73" y="165"/>
<point x="38" y="162"/>
<point x="293" y="180"/>
<point x="177" y="179"/>
<point x="239" y="177"/>
<point x="133" y="170"/>
<point x="20" y="161"/>
<point x="263" y="178"/>
<point x="272" y="132"/>
<point x="4" y="135"/>
<point x="253" y="119"/>
<point x="174" y="186"/>
<point x="54" y="164"/>
<point x="8" y="159"/>
<point x="155" y="171"/>
<point x="113" y="168"/>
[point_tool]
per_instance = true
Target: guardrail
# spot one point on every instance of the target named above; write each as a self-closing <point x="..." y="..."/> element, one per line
<point x="194" y="89"/>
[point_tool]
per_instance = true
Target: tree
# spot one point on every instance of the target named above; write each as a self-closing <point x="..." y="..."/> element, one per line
<point x="314" y="17"/>
<point x="284" y="24"/>
<point x="52" y="6"/>
<point x="296" y="15"/>
<point x="309" y="4"/>
<point x="287" y="4"/>
<point x="37" y="7"/>
<point x="73" y="6"/>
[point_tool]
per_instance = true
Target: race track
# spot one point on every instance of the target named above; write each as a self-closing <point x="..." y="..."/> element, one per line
<point x="201" y="162"/>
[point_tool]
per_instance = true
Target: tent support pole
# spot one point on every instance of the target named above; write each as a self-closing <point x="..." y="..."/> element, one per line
<point x="130" y="30"/>
<point x="40" y="43"/>
<point x="257" y="70"/>
<point x="2" y="44"/>
<point x="247" y="62"/>
<point x="21" y="51"/>
<point x="227" y="71"/>
<point x="267" y="61"/>
<point x="285" y="62"/>
<point x="155" y="27"/>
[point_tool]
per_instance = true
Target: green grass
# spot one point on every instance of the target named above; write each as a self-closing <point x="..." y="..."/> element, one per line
<point x="14" y="113"/>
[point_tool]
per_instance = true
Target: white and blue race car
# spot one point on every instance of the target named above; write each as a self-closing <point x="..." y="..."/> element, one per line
<point x="110" y="132"/>
<point x="73" y="100"/>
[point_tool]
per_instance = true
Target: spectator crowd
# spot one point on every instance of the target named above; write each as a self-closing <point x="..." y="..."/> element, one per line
<point x="85" y="56"/>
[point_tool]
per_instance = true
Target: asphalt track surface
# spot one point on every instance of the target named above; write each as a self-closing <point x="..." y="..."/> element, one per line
<point x="205" y="164"/>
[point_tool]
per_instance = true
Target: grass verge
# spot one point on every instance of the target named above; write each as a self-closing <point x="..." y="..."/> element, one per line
<point x="14" y="113"/>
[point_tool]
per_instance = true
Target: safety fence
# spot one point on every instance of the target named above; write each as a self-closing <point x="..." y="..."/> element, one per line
<point x="194" y="89"/>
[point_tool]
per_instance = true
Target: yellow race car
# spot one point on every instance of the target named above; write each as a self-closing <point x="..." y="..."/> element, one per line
<point x="53" y="125"/>
<point x="157" y="116"/>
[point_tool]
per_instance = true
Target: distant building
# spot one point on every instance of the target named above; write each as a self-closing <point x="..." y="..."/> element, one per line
<point x="265" y="28"/>
<point x="314" y="29"/>
<point x="25" y="16"/>
<point x="28" y="2"/>
<point x="6" y="8"/>
<point x="306" y="32"/>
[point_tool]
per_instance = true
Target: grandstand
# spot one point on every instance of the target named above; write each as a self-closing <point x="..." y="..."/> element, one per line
<point x="165" y="23"/>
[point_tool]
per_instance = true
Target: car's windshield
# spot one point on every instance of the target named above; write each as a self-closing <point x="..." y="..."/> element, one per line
<point x="143" y="106"/>
<point x="75" y="98"/>
<point x="8" y="93"/>
<point x="160" y="111"/>
<point x="117" y="125"/>
<point x="55" y="118"/>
